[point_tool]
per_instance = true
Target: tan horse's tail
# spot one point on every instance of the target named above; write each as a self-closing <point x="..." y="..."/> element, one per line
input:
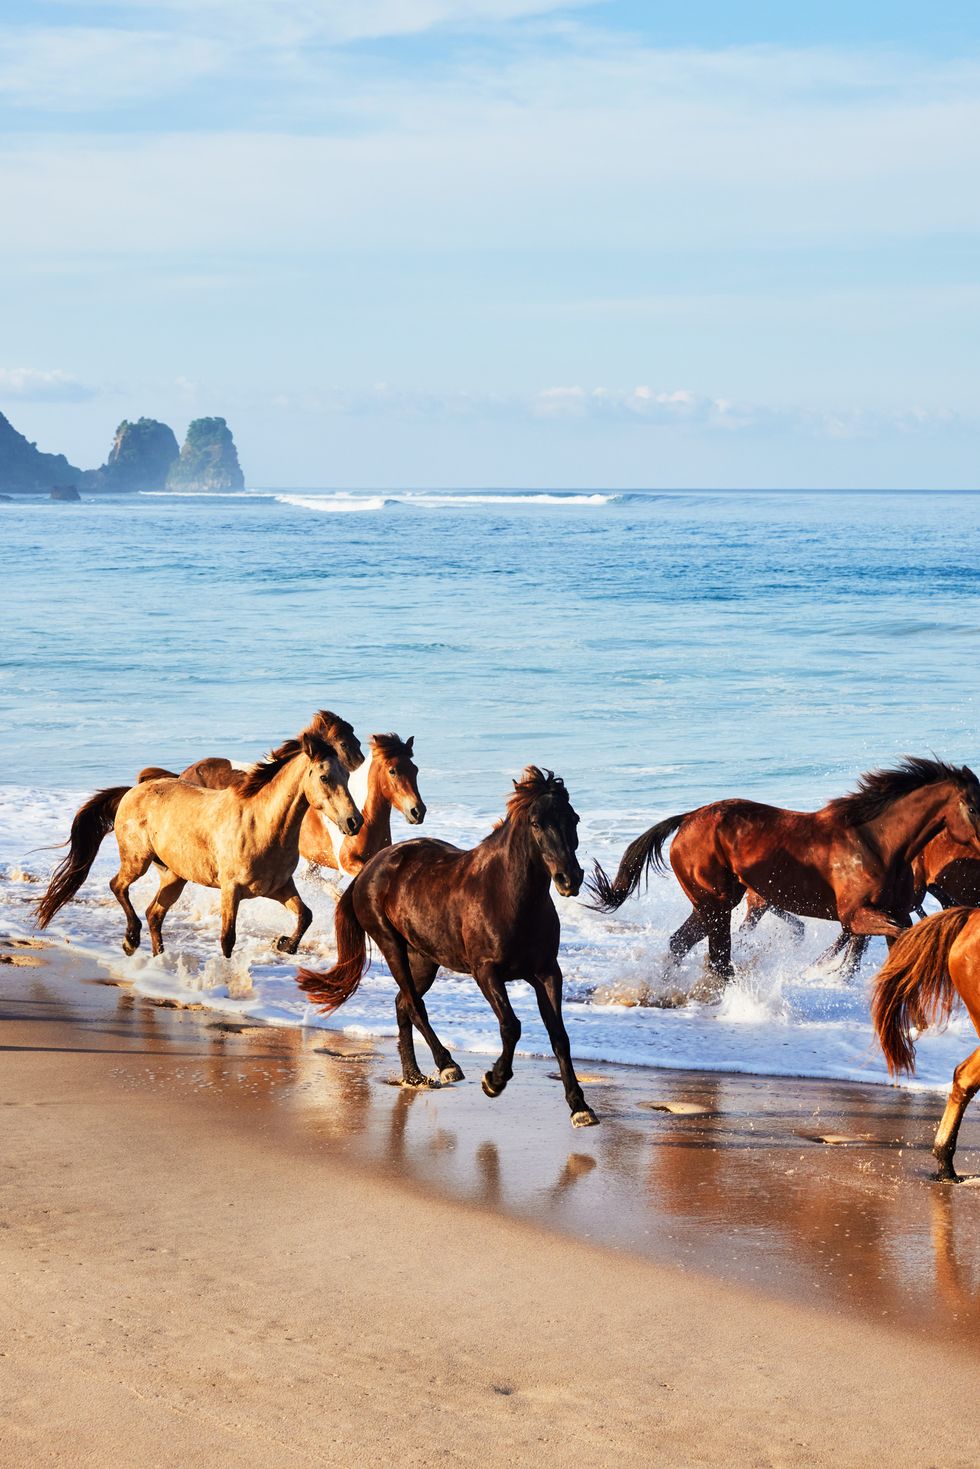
<point x="332" y="987"/>
<point x="914" y="988"/>
<point x="646" y="852"/>
<point x="155" y="772"/>
<point x="91" y="825"/>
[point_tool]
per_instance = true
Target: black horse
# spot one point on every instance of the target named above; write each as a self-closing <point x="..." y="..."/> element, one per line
<point x="486" y="912"/>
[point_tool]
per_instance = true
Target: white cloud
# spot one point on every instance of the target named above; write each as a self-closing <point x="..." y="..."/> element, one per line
<point x="31" y="384"/>
<point x="68" y="68"/>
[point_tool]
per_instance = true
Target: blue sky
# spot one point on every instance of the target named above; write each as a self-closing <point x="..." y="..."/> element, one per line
<point x="520" y="242"/>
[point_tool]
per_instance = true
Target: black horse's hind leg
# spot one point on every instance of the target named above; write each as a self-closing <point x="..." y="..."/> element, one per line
<point x="683" y="939"/>
<point x="547" y="989"/>
<point x="495" y="991"/>
<point x="854" y="953"/>
<point x="396" y="953"/>
<point x="424" y="972"/>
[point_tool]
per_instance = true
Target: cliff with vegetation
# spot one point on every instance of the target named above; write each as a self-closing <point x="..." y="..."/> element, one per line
<point x="144" y="456"/>
<point x="208" y="459"/>
<point x="23" y="466"/>
<point x="141" y="458"/>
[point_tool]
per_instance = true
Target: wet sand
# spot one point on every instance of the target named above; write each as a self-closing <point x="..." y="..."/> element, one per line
<point x="237" y="1244"/>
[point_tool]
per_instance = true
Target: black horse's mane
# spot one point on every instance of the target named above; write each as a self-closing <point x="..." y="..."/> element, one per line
<point x="533" y="784"/>
<point x="877" y="789"/>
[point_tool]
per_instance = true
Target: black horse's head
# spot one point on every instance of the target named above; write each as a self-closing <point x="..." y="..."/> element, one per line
<point x="541" y="800"/>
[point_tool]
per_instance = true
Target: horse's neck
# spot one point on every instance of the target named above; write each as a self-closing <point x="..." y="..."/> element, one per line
<point x="374" y="806"/>
<point x="282" y="804"/>
<point x="910" y="823"/>
<point x="524" y="876"/>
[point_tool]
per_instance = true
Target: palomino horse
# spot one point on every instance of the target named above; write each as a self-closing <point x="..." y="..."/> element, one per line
<point x="486" y="912"/>
<point x="850" y="861"/>
<point x="243" y="839"/>
<point x="389" y="778"/>
<point x="927" y="968"/>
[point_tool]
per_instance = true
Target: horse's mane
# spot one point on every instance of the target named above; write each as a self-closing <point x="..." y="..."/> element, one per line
<point x="323" y="728"/>
<point x="532" y="784"/>
<point x="877" y="789"/>
<point x="390" y="746"/>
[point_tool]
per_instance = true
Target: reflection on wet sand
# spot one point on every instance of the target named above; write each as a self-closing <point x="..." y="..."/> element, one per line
<point x="731" y="1183"/>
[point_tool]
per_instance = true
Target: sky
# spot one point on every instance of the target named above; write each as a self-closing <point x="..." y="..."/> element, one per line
<point x="499" y="242"/>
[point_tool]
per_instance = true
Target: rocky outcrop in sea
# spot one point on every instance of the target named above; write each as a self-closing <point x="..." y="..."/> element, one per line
<point x="208" y="459"/>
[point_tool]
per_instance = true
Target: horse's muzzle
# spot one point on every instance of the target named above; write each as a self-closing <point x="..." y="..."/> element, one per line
<point x="353" y="824"/>
<point x="415" y="815"/>
<point x="569" y="883"/>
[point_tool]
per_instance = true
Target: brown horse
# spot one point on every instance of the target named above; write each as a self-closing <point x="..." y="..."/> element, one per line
<point x="850" y="861"/>
<point x="243" y="839"/>
<point x="927" y="968"/>
<point x="216" y="773"/>
<point x="486" y="912"/>
<point x="388" y="779"/>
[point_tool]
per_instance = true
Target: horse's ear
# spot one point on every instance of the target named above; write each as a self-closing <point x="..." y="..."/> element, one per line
<point x="314" y="746"/>
<point x="409" y="743"/>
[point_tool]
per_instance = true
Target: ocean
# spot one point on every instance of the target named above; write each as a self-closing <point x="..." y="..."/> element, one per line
<point x="658" y="650"/>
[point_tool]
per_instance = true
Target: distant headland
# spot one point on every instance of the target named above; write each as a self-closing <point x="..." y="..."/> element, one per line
<point x="145" y="455"/>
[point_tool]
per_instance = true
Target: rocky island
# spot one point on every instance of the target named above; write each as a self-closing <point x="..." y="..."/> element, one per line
<point x="144" y="456"/>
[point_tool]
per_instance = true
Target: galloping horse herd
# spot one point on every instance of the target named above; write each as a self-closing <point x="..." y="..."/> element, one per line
<point x="865" y="860"/>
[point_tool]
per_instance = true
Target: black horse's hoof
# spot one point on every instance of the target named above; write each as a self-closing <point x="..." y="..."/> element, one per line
<point x="946" y="1173"/>
<point x="286" y="945"/>
<point x="420" y="1083"/>
<point x="488" y="1086"/>
<point x="130" y="945"/>
<point x="449" y="1074"/>
<point x="585" y="1118"/>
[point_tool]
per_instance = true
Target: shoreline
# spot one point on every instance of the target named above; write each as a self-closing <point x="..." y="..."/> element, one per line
<point x="137" y="1130"/>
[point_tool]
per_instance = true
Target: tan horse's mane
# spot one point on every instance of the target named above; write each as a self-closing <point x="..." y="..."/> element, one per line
<point x="321" y="732"/>
<point x="877" y="789"/>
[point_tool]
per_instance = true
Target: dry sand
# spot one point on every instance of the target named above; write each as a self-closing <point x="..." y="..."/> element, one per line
<point x="237" y="1248"/>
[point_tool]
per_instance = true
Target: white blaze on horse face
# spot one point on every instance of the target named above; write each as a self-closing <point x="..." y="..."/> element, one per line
<point x="357" y="784"/>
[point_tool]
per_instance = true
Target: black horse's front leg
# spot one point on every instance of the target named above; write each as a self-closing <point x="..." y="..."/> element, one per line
<point x="502" y="1070"/>
<point x="547" y="989"/>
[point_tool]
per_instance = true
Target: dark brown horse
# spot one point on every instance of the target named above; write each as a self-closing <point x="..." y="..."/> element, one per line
<point x="486" y="912"/>
<point x="850" y="861"/>
<point x="927" y="968"/>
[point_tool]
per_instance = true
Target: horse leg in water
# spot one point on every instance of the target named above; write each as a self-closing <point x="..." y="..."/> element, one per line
<point x="683" y="939"/>
<point x="855" y="947"/>
<point x="288" y="943"/>
<point x="424" y="972"/>
<point x="166" y="895"/>
<point x="756" y="910"/>
<point x="495" y="991"/>
<point x="230" y="898"/>
<point x="396" y="953"/>
<point x="547" y="990"/>
<point x="131" y="869"/>
<point x="966" y="1084"/>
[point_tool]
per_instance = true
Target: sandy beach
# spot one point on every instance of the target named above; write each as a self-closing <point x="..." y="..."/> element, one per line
<point x="223" y="1245"/>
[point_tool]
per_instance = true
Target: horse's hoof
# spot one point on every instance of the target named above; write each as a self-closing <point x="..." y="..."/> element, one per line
<point x="449" y="1074"/>
<point x="488" y="1086"/>
<point x="420" y="1083"/>
<point x="286" y="945"/>
<point x="130" y="945"/>
<point x="585" y="1118"/>
<point x="947" y="1174"/>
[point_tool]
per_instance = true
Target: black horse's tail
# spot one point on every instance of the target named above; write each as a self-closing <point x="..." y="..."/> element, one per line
<point x="93" y="822"/>
<point x="641" y="856"/>
<point x="331" y="987"/>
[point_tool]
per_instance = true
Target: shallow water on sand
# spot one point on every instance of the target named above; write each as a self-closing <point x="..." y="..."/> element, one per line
<point x="657" y="650"/>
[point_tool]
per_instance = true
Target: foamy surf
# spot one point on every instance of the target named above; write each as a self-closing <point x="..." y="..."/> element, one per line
<point x="623" y="1004"/>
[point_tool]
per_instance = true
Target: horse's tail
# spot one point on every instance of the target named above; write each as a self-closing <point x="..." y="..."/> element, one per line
<point x="91" y="825"/>
<point x="914" y="988"/>
<point x="155" y="772"/>
<point x="332" y="987"/>
<point x="642" y="855"/>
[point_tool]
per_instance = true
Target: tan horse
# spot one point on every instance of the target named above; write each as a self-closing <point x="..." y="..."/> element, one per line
<point x="388" y="780"/>
<point x="927" y="968"/>
<point x="243" y="840"/>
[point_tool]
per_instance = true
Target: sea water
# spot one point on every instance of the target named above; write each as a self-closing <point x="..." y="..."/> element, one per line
<point x="657" y="650"/>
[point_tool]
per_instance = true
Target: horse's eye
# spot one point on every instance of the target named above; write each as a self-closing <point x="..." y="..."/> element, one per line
<point x="392" y="770"/>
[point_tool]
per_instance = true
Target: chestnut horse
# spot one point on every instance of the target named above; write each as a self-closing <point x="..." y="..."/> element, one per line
<point x="243" y="839"/>
<point x="388" y="779"/>
<point x="927" y="968"/>
<point x="486" y="912"/>
<point x="849" y="861"/>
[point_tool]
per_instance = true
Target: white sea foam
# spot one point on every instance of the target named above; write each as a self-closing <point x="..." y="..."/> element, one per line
<point x="343" y="500"/>
<point x="332" y="504"/>
<point x="780" y="1017"/>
